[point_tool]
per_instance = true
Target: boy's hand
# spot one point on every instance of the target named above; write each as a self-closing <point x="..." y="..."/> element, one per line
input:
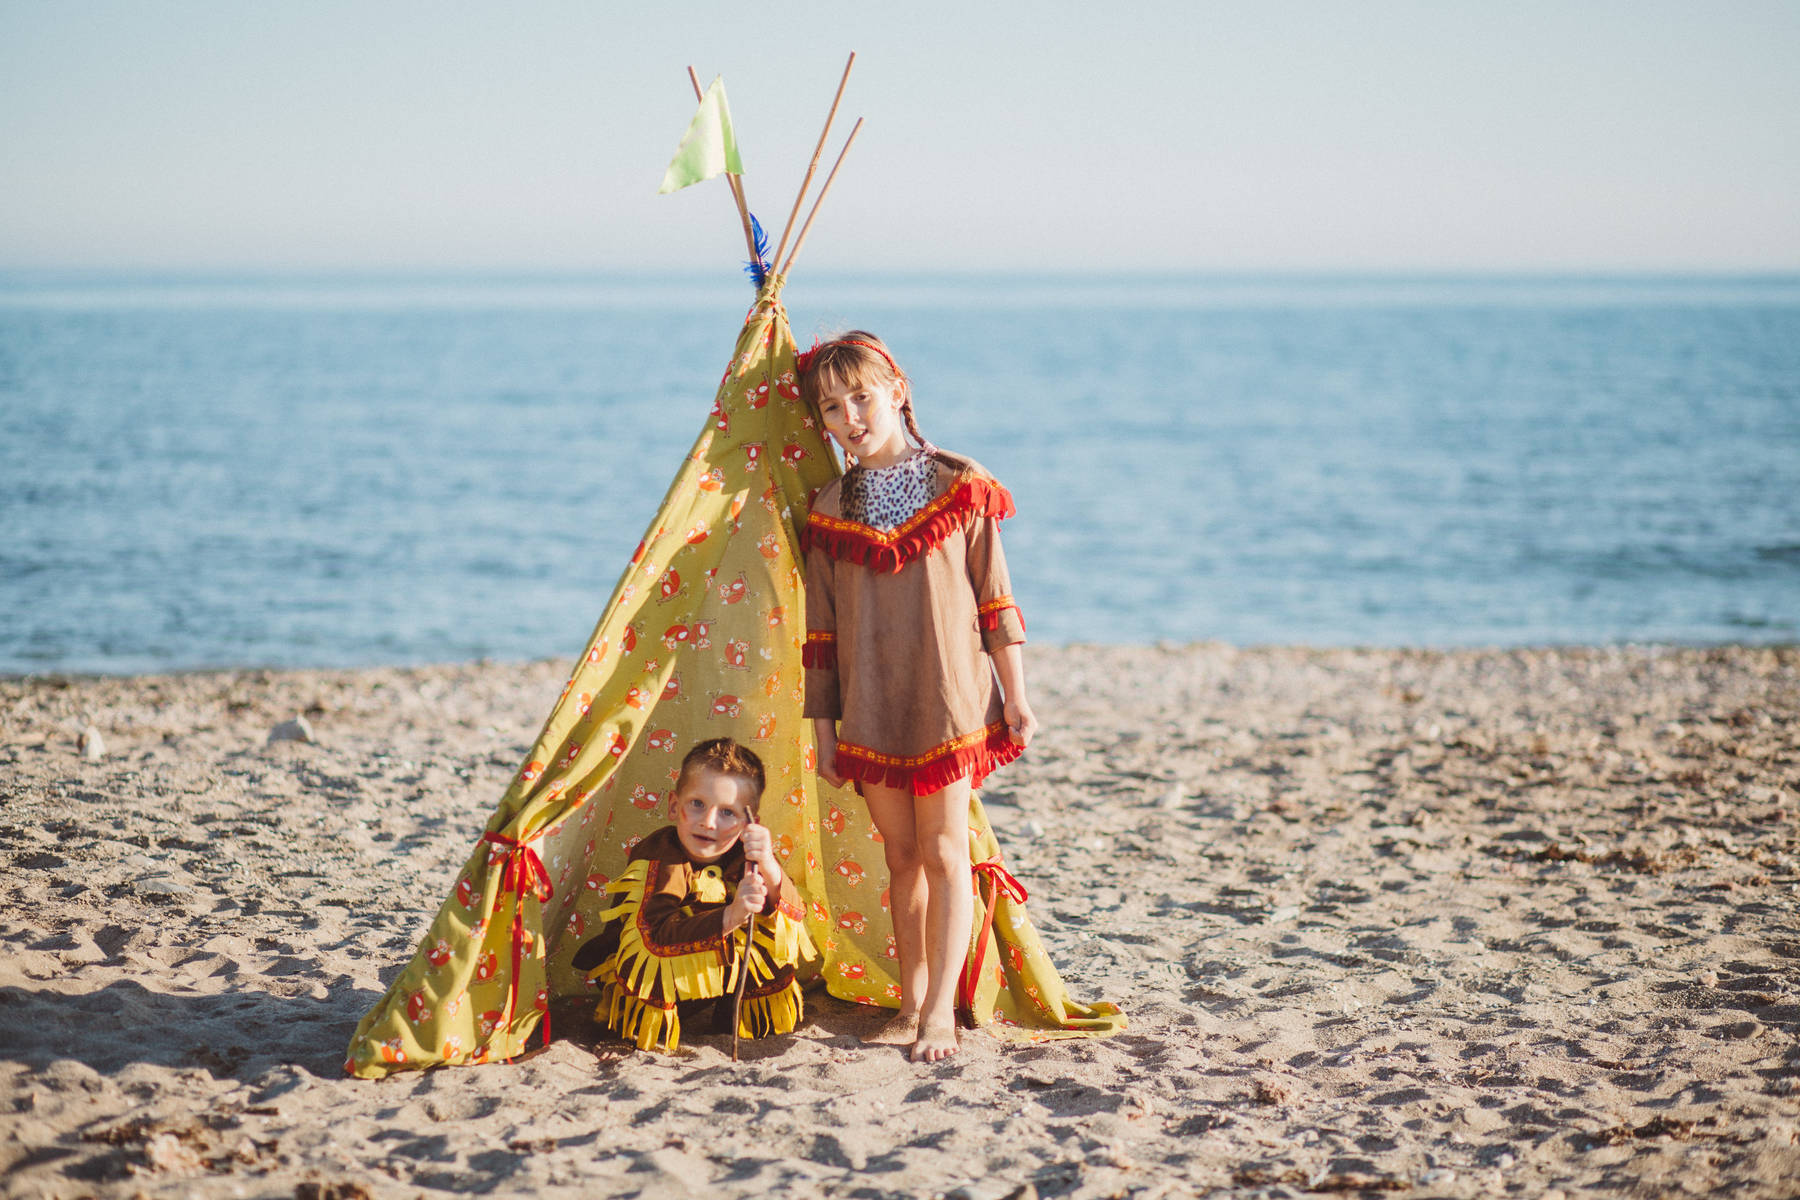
<point x="759" y="848"/>
<point x="752" y="894"/>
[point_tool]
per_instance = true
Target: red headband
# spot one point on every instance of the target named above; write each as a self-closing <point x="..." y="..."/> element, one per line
<point x="803" y="361"/>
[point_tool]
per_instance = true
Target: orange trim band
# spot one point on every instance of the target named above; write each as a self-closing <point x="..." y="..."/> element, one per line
<point x="820" y="651"/>
<point x="975" y="755"/>
<point x="887" y="551"/>
<point x="988" y="615"/>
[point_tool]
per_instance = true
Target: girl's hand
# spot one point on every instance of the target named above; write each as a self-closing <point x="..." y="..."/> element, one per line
<point x="759" y="848"/>
<point x="828" y="765"/>
<point x="752" y="894"/>
<point x="826" y="731"/>
<point x="1019" y="720"/>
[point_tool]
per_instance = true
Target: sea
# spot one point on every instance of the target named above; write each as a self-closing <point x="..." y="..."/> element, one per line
<point x="350" y="470"/>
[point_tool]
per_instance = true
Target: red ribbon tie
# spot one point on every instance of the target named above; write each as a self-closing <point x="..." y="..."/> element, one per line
<point x="1000" y="882"/>
<point x="523" y="874"/>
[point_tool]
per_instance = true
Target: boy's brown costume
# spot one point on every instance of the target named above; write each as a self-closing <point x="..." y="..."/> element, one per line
<point x="664" y="943"/>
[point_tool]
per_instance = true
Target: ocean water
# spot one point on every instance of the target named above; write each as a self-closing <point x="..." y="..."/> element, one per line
<point x="344" y="471"/>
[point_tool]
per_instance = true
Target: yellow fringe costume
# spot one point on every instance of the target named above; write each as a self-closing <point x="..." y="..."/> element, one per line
<point x="663" y="943"/>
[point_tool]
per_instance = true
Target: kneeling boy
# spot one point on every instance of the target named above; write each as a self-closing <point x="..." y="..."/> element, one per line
<point x="669" y="944"/>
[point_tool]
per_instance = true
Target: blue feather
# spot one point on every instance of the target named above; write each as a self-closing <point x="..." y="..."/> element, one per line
<point x="759" y="269"/>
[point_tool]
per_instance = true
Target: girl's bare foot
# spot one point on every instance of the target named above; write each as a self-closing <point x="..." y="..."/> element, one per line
<point x="901" y="1029"/>
<point x="935" y="1042"/>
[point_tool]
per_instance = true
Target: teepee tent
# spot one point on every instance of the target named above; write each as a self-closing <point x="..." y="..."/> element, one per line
<point x="702" y="638"/>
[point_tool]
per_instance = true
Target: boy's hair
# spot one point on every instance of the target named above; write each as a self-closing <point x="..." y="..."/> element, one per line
<point x="855" y="358"/>
<point x="727" y="758"/>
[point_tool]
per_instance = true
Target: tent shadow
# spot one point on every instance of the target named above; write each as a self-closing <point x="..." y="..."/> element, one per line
<point x="842" y="1024"/>
<point x="230" y="1034"/>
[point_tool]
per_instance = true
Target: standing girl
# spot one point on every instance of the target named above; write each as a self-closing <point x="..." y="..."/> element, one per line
<point x="909" y="620"/>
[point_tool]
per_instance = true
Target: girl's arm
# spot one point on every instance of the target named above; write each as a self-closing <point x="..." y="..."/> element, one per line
<point x="1009" y="664"/>
<point x="1002" y="627"/>
<point x="823" y="704"/>
<point x="825" y="734"/>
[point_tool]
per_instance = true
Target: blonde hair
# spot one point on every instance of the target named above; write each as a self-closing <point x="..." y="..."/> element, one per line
<point x="852" y="359"/>
<point x="727" y="758"/>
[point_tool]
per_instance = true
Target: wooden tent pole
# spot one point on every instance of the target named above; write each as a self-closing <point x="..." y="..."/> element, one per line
<point x="814" y="164"/>
<point x="823" y="192"/>
<point x="737" y="185"/>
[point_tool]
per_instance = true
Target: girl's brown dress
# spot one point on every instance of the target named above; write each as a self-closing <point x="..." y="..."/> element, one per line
<point x="899" y="626"/>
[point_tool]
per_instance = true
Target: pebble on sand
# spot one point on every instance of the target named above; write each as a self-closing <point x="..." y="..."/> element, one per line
<point x="993" y="1189"/>
<point x="296" y="730"/>
<point x="162" y="885"/>
<point x="91" y="744"/>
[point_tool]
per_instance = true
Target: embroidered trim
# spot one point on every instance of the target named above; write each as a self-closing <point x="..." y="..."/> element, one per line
<point x="888" y="551"/>
<point x="974" y="754"/>
<point x="820" y="651"/>
<point x="988" y="615"/>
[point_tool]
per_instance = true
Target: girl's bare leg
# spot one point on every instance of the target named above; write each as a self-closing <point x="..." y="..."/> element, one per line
<point x="942" y="824"/>
<point x="893" y="812"/>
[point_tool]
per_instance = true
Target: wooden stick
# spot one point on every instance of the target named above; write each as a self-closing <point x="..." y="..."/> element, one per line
<point x="823" y="192"/>
<point x="814" y="164"/>
<point x="737" y="185"/>
<point x="737" y="1002"/>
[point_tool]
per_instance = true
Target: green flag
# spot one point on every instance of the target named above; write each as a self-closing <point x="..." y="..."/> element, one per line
<point x="709" y="147"/>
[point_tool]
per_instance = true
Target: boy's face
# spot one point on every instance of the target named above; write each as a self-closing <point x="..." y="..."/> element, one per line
<point x="709" y="813"/>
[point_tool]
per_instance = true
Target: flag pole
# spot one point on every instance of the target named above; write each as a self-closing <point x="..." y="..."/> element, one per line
<point x="814" y="164"/>
<point x="823" y="192"/>
<point x="737" y="185"/>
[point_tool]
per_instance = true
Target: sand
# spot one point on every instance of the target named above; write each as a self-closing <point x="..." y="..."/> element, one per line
<point x="1445" y="924"/>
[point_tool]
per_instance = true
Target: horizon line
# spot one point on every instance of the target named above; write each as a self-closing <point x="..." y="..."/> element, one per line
<point x="522" y="273"/>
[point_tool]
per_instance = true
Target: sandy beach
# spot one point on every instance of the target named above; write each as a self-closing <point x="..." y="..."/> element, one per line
<point x="1442" y="924"/>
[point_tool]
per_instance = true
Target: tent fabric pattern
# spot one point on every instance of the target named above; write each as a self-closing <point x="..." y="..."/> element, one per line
<point x="702" y="638"/>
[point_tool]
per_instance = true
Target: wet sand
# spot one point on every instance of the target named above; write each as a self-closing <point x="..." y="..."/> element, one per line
<point x="1445" y="924"/>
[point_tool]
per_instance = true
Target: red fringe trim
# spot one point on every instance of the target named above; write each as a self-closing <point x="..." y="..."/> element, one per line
<point x="977" y="760"/>
<point x="885" y="553"/>
<point x="990" y="621"/>
<point x="819" y="656"/>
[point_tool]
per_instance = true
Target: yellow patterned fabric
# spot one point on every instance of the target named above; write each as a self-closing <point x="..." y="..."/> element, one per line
<point x="702" y="638"/>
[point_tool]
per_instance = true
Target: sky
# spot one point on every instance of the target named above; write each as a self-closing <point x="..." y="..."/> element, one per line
<point x="1278" y="136"/>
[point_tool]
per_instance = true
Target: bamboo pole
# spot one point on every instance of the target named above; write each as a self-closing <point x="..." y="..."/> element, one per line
<point x="823" y="192"/>
<point x="737" y="185"/>
<point x="814" y="164"/>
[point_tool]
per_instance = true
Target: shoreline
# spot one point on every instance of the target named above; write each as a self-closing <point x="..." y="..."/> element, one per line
<point x="1165" y="646"/>
<point x="1470" y="921"/>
